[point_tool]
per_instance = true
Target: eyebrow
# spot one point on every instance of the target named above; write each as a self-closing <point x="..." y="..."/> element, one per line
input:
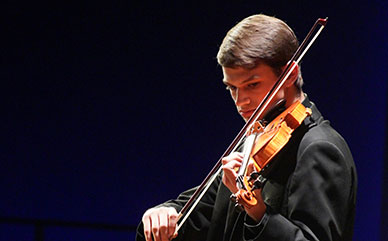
<point x="244" y="81"/>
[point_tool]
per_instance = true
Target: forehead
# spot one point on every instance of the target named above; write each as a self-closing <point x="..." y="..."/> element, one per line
<point x="232" y="74"/>
<point x="240" y="75"/>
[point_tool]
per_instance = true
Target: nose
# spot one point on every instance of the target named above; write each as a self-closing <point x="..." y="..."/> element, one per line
<point x="241" y="98"/>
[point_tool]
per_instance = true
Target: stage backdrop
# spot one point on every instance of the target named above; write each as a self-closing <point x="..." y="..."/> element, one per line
<point x="111" y="108"/>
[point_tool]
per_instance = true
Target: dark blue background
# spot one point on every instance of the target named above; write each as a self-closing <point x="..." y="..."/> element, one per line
<point x="111" y="108"/>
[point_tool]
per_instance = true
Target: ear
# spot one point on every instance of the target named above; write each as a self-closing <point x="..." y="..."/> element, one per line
<point x="293" y="76"/>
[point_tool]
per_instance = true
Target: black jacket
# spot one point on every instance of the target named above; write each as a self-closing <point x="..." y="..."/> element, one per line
<point x="310" y="194"/>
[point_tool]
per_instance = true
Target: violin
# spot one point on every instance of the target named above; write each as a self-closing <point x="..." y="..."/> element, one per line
<point x="262" y="141"/>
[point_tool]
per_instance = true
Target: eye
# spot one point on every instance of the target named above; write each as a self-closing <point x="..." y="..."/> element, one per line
<point x="230" y="87"/>
<point x="253" y="85"/>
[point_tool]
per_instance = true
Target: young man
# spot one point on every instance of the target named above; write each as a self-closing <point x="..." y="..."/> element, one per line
<point x="311" y="193"/>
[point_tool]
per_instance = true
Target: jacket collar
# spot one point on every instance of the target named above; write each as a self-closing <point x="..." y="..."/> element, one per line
<point x="316" y="116"/>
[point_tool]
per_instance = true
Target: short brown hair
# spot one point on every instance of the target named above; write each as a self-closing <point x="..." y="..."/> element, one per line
<point x="259" y="39"/>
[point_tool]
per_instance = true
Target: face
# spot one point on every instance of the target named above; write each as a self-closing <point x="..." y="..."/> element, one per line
<point x="249" y="87"/>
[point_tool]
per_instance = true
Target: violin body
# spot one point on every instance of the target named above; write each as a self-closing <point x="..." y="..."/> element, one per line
<point x="269" y="141"/>
<point x="277" y="133"/>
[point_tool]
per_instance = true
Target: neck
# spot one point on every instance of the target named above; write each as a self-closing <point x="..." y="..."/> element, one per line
<point x="293" y="95"/>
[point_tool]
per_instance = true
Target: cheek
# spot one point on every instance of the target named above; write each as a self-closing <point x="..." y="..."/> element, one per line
<point x="256" y="96"/>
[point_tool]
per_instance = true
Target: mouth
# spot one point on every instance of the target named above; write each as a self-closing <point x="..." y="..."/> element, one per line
<point x="246" y="114"/>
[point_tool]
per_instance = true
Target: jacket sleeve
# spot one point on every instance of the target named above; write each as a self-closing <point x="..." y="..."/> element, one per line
<point x="319" y="194"/>
<point x="197" y="224"/>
